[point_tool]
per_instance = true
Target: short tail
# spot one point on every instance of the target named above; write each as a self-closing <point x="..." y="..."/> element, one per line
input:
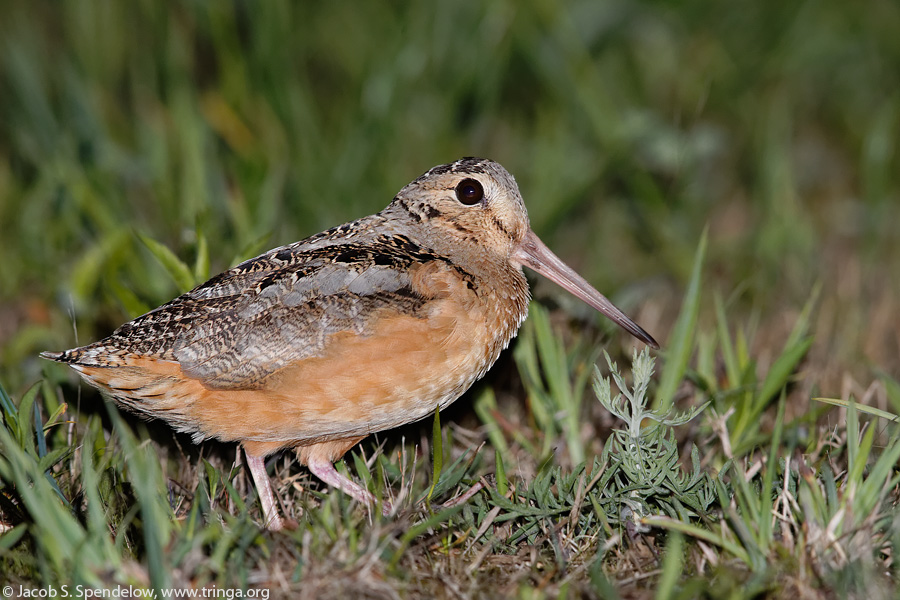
<point x="92" y="355"/>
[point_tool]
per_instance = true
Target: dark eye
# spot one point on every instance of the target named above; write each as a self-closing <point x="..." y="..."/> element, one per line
<point x="469" y="192"/>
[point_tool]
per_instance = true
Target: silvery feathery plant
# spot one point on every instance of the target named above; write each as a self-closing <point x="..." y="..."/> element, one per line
<point x="643" y="475"/>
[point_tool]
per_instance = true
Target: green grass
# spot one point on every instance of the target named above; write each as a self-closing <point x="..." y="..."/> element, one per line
<point x="728" y="173"/>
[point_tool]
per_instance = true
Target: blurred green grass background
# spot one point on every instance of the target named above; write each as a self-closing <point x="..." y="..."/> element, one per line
<point x="629" y="125"/>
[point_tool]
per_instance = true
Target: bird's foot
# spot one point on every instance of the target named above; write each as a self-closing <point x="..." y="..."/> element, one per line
<point x="324" y="470"/>
<point x="273" y="521"/>
<point x="462" y="499"/>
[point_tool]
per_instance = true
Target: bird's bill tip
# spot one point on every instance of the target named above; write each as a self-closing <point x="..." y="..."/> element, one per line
<point x="534" y="254"/>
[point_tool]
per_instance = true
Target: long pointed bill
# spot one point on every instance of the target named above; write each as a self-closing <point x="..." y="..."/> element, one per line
<point x="533" y="253"/>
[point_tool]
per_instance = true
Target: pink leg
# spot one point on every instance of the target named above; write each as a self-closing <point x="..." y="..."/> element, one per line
<point x="324" y="470"/>
<point x="465" y="497"/>
<point x="257" y="466"/>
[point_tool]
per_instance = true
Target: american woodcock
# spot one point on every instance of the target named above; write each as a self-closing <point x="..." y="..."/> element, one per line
<point x="358" y="329"/>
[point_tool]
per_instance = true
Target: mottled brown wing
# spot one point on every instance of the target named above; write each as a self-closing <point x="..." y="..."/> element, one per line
<point x="245" y="324"/>
<point x="288" y="316"/>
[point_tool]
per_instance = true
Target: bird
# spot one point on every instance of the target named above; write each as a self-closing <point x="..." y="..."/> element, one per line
<point x="367" y="326"/>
